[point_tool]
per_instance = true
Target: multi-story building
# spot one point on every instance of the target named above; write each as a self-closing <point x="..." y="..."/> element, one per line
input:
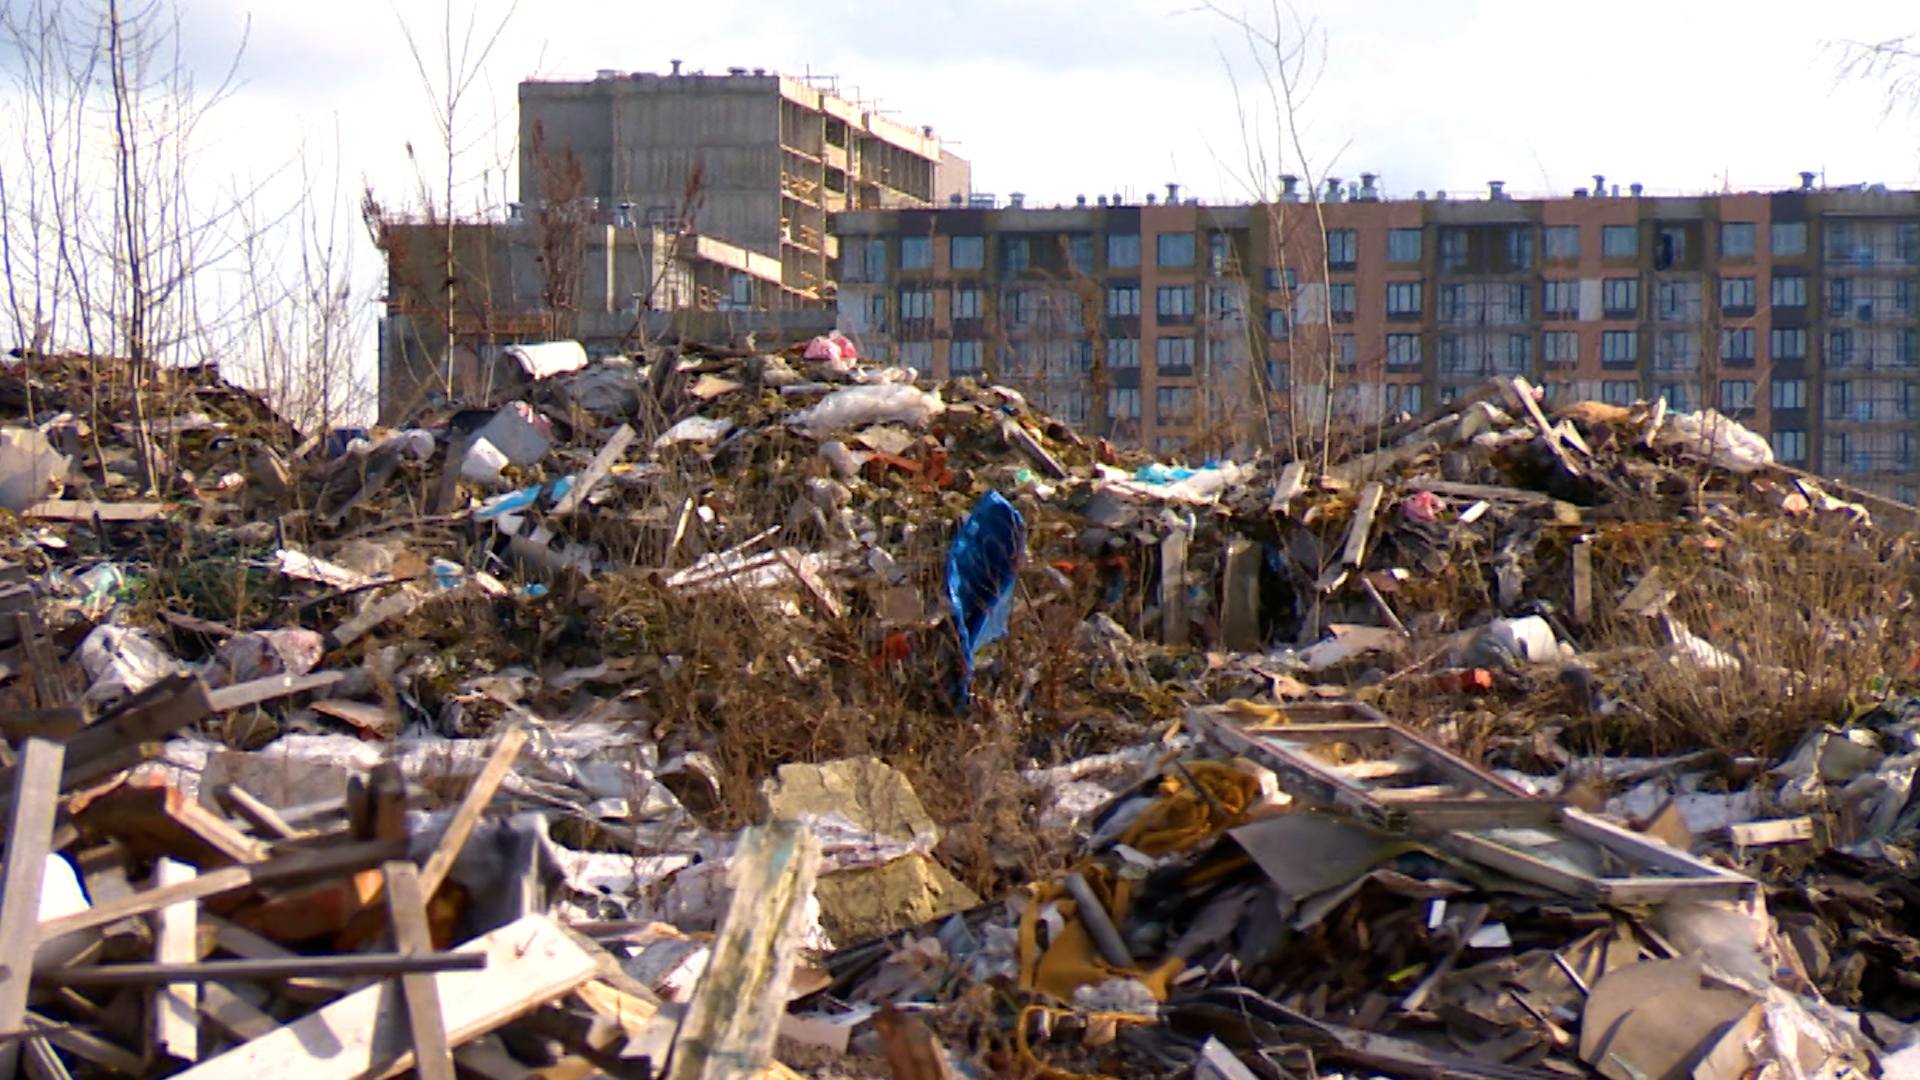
<point x="1796" y="312"/>
<point x="755" y="159"/>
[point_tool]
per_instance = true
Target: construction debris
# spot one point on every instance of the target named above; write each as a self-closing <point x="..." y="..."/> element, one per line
<point x="672" y="714"/>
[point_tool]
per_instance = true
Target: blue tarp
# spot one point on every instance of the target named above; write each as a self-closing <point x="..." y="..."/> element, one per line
<point x="981" y="567"/>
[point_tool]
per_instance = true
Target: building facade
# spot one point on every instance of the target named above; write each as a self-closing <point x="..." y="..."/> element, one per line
<point x="754" y="159"/>
<point x="1796" y="312"/>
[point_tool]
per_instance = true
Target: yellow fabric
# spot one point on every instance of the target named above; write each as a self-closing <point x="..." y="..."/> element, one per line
<point x="1178" y="820"/>
<point x="1182" y="817"/>
<point x="1042" y="1069"/>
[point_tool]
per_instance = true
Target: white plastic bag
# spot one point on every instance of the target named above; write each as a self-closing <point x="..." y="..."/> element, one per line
<point x="1723" y="442"/>
<point x="121" y="662"/>
<point x="860" y="406"/>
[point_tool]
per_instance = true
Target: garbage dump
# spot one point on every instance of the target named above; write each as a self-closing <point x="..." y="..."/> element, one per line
<point x="722" y="712"/>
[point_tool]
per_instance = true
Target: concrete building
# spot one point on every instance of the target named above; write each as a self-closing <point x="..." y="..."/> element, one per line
<point x="1796" y="311"/>
<point x="755" y="159"/>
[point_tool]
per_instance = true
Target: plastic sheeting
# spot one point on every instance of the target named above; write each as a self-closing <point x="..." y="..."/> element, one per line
<point x="862" y="406"/>
<point x="548" y="358"/>
<point x="981" y="569"/>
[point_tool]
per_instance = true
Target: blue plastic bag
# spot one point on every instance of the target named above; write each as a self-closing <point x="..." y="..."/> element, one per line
<point x="982" y="566"/>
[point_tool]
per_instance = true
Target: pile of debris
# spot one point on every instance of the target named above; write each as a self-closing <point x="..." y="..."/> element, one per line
<point x="514" y="683"/>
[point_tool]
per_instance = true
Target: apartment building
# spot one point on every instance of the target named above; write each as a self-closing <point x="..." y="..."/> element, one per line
<point x="752" y="158"/>
<point x="1794" y="311"/>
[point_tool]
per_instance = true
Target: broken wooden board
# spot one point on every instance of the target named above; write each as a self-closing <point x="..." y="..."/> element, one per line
<point x="1580" y="584"/>
<point x="529" y="962"/>
<point x="472" y="805"/>
<point x="155" y="819"/>
<point x="361" y="965"/>
<point x="1173" y="588"/>
<point x="240" y="695"/>
<point x="407" y="914"/>
<point x="36" y="794"/>
<point x="151" y="716"/>
<point x="1020" y="437"/>
<point x="84" y="510"/>
<point x="176" y="1005"/>
<point x="1778" y="831"/>
<point x="595" y="472"/>
<point x="1240" y="595"/>
<point x="730" y="1025"/>
<point x="1293" y="480"/>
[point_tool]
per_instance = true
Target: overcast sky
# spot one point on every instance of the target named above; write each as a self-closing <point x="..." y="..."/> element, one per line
<point x="1061" y="97"/>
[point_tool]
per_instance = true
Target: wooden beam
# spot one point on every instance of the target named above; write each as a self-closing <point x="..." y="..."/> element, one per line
<point x="1174" y="623"/>
<point x="595" y="471"/>
<point x="239" y="696"/>
<point x="36" y="794"/>
<point x="234" y="1015"/>
<point x="376" y="965"/>
<point x="1293" y="480"/>
<point x="1240" y="595"/>
<point x="529" y="962"/>
<point x="407" y="910"/>
<point x="479" y="795"/>
<point x="176" y="1006"/>
<point x="80" y="510"/>
<point x="730" y="1025"/>
<point x="1581" y="585"/>
<point x="321" y="863"/>
<point x="151" y="716"/>
<point x="265" y="820"/>
<point x="154" y="818"/>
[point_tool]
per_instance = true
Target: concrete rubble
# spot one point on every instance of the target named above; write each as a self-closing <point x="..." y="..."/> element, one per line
<point x="718" y="711"/>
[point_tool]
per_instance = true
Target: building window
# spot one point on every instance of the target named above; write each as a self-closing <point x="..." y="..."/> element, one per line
<point x="1736" y="239"/>
<point x="1736" y="295"/>
<point x="1451" y="354"/>
<point x="1123" y="250"/>
<point x="1620" y="297"/>
<point x="1562" y="241"/>
<point x="1403" y="298"/>
<point x="1619" y="348"/>
<point x="1788" y="238"/>
<point x="1674" y="299"/>
<point x="965" y="357"/>
<point x="1403" y="352"/>
<point x="1736" y="347"/>
<point x="1401" y="398"/>
<point x="1123" y="301"/>
<point x="1343" y="248"/>
<point x="1676" y="395"/>
<point x="1560" y="299"/>
<point x="1080" y="252"/>
<point x="1174" y="302"/>
<point x="1277" y="278"/>
<point x="1619" y="393"/>
<point x="1343" y="352"/>
<point x="874" y="264"/>
<point x="1124" y="404"/>
<point x="967" y="252"/>
<point x="1340" y="300"/>
<point x="1788" y="394"/>
<point x="1672" y="249"/>
<point x="1017" y="253"/>
<point x="1403" y="245"/>
<point x="1173" y="249"/>
<point x="1736" y="396"/>
<point x="1520" y="248"/>
<point x="1453" y="249"/>
<point x="1123" y="352"/>
<point x="1173" y="356"/>
<point x="1909" y="348"/>
<point x="1453" y="303"/>
<point x="1278" y="325"/>
<point x="1173" y="404"/>
<point x="1839" y="348"/>
<point x="1789" y="446"/>
<point x="1017" y="307"/>
<point x="968" y="304"/>
<point x="1840" y="297"/>
<point x="916" y="304"/>
<point x="1560" y="348"/>
<point x="1619" y="241"/>
<point x="877" y="312"/>
<point x="1519" y="354"/>
<point x="1219" y="252"/>
<point x="1224" y="301"/>
<point x="1674" y="350"/>
<point x="916" y="253"/>
<point x="1839" y="399"/>
<point x="1787" y="343"/>
<point x="1789" y="290"/>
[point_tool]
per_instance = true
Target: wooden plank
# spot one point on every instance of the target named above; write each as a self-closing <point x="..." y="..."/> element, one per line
<point x="152" y="715"/>
<point x="88" y="1047"/>
<point x="1017" y="434"/>
<point x="1355" y="552"/>
<point x="36" y="794"/>
<point x="1581" y="585"/>
<point x="1649" y="596"/>
<point x="176" y="1006"/>
<point x="733" y="1018"/>
<point x="595" y="471"/>
<point x="1240" y="595"/>
<point x="1520" y="393"/>
<point x="43" y="1062"/>
<point x="1480" y="492"/>
<point x="231" y="937"/>
<point x="234" y="1015"/>
<point x="529" y="962"/>
<point x="154" y="818"/>
<point x="407" y="910"/>
<point x="83" y="510"/>
<point x="1293" y="480"/>
<point x="239" y="696"/>
<point x="324" y="862"/>
<point x="370" y="965"/>
<point x="265" y="820"/>
<point x="1174" y="624"/>
<point x="479" y="795"/>
<point x="1779" y="831"/>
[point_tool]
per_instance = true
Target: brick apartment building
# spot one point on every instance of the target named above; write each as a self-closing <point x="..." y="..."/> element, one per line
<point x="1796" y="311"/>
